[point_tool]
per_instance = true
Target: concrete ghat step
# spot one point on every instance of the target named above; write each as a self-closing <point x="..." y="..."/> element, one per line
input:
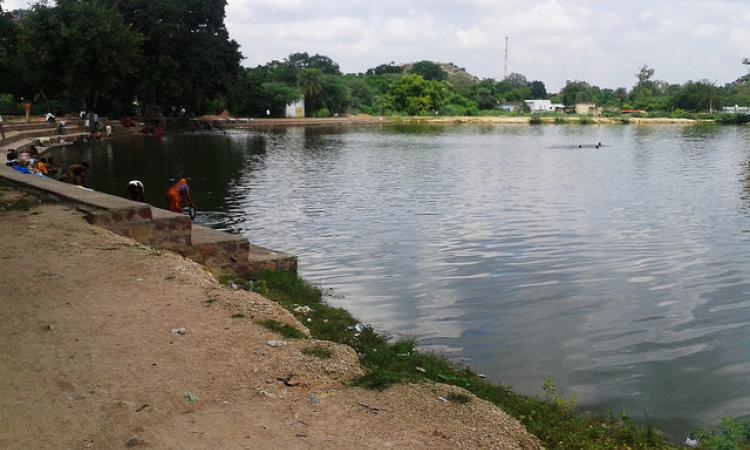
<point x="261" y="259"/>
<point x="222" y="253"/>
<point x="231" y="254"/>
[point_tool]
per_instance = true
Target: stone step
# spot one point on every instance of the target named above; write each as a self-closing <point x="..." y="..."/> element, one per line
<point x="262" y="259"/>
<point x="232" y="254"/>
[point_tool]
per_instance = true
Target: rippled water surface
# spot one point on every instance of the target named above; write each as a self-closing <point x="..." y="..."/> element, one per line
<point x="623" y="272"/>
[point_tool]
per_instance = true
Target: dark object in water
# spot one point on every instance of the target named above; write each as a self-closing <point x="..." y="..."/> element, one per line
<point x="597" y="145"/>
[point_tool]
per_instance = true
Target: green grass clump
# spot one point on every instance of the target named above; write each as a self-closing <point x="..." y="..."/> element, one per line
<point x="388" y="362"/>
<point x="283" y="329"/>
<point x="318" y="351"/>
<point x="734" y="434"/>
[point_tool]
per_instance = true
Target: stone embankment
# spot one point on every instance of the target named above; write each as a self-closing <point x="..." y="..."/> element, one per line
<point x="222" y="253"/>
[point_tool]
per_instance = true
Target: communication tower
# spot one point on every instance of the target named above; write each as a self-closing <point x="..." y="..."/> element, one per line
<point x="505" y="70"/>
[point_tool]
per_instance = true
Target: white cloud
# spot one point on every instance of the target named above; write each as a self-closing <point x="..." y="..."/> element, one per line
<point x="550" y="40"/>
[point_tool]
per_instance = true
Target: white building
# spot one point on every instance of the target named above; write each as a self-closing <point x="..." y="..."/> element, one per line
<point x="296" y="109"/>
<point x="543" y="106"/>
<point x="736" y="109"/>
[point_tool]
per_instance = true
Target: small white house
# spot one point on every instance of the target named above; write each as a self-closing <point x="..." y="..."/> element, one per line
<point x="296" y="109"/>
<point x="544" y="106"/>
<point x="736" y="109"/>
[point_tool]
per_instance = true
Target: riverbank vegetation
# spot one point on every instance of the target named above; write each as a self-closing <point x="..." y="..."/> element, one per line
<point x="550" y="417"/>
<point x="152" y="57"/>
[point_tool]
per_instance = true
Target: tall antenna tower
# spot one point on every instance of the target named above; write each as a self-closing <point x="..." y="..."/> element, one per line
<point x="505" y="70"/>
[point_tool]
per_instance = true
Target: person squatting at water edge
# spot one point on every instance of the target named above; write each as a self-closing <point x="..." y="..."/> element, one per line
<point x="178" y="194"/>
<point x="136" y="191"/>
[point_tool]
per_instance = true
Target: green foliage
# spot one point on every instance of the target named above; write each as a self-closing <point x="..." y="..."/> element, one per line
<point x="322" y="112"/>
<point x="390" y="362"/>
<point x="734" y="435"/>
<point x="535" y="119"/>
<point x="385" y="69"/>
<point x="429" y="71"/>
<point x="283" y="329"/>
<point x="318" y="351"/>
<point x="737" y="119"/>
<point x="697" y="96"/>
<point x="416" y="96"/>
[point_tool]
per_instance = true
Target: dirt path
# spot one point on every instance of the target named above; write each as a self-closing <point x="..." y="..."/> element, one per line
<point x="89" y="359"/>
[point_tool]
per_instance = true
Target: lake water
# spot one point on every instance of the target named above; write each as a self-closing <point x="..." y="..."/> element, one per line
<point x="623" y="273"/>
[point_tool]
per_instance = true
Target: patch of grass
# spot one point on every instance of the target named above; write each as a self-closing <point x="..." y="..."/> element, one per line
<point x="389" y="362"/>
<point x="560" y="119"/>
<point x="585" y="120"/>
<point x="535" y="119"/>
<point x="318" y="351"/>
<point x="459" y="397"/>
<point x="734" y="434"/>
<point x="283" y="329"/>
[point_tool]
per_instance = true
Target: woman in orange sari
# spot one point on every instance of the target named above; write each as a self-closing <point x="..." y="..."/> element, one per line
<point x="177" y="194"/>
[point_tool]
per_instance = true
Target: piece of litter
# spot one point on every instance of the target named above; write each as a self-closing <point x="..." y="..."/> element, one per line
<point x="421" y="369"/>
<point x="139" y="279"/>
<point x="190" y="398"/>
<point x="443" y="399"/>
<point x="481" y="375"/>
<point x="303" y="309"/>
<point x="691" y="442"/>
<point x="309" y="320"/>
<point x="276" y="343"/>
<point x="314" y="401"/>
<point x="233" y="285"/>
<point x="178" y="331"/>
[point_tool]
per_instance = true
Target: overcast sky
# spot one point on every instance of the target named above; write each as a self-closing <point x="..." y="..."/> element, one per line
<point x="602" y="42"/>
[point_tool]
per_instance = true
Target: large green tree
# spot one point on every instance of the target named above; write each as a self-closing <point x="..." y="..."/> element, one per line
<point x="429" y="71"/>
<point x="698" y="96"/>
<point x="188" y="56"/>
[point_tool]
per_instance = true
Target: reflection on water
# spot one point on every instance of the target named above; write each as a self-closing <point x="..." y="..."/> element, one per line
<point x="621" y="272"/>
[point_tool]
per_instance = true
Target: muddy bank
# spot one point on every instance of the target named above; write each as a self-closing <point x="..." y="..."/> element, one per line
<point x="95" y="358"/>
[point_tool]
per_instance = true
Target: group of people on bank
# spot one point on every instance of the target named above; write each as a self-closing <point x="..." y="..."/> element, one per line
<point x="27" y="161"/>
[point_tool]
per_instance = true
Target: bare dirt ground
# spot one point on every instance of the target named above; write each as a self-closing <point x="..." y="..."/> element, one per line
<point x="89" y="358"/>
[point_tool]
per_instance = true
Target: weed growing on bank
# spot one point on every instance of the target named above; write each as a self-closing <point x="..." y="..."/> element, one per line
<point x="318" y="351"/>
<point x="389" y="362"/>
<point x="283" y="329"/>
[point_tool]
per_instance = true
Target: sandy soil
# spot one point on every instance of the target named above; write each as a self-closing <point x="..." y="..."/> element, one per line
<point x="89" y="359"/>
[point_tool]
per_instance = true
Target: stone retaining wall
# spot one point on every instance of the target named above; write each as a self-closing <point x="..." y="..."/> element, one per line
<point x="223" y="253"/>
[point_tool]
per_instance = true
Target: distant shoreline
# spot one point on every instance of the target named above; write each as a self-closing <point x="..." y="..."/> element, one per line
<point x="363" y="119"/>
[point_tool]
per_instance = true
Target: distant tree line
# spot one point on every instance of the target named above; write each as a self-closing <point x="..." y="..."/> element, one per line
<point x="151" y="57"/>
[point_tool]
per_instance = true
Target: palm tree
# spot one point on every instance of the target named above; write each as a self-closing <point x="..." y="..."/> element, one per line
<point x="311" y="82"/>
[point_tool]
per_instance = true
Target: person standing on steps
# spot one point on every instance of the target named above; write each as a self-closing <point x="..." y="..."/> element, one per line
<point x="27" y="109"/>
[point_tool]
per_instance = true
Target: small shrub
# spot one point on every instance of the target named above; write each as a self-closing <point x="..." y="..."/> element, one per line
<point x="535" y="119"/>
<point x="283" y="329"/>
<point x="318" y="351"/>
